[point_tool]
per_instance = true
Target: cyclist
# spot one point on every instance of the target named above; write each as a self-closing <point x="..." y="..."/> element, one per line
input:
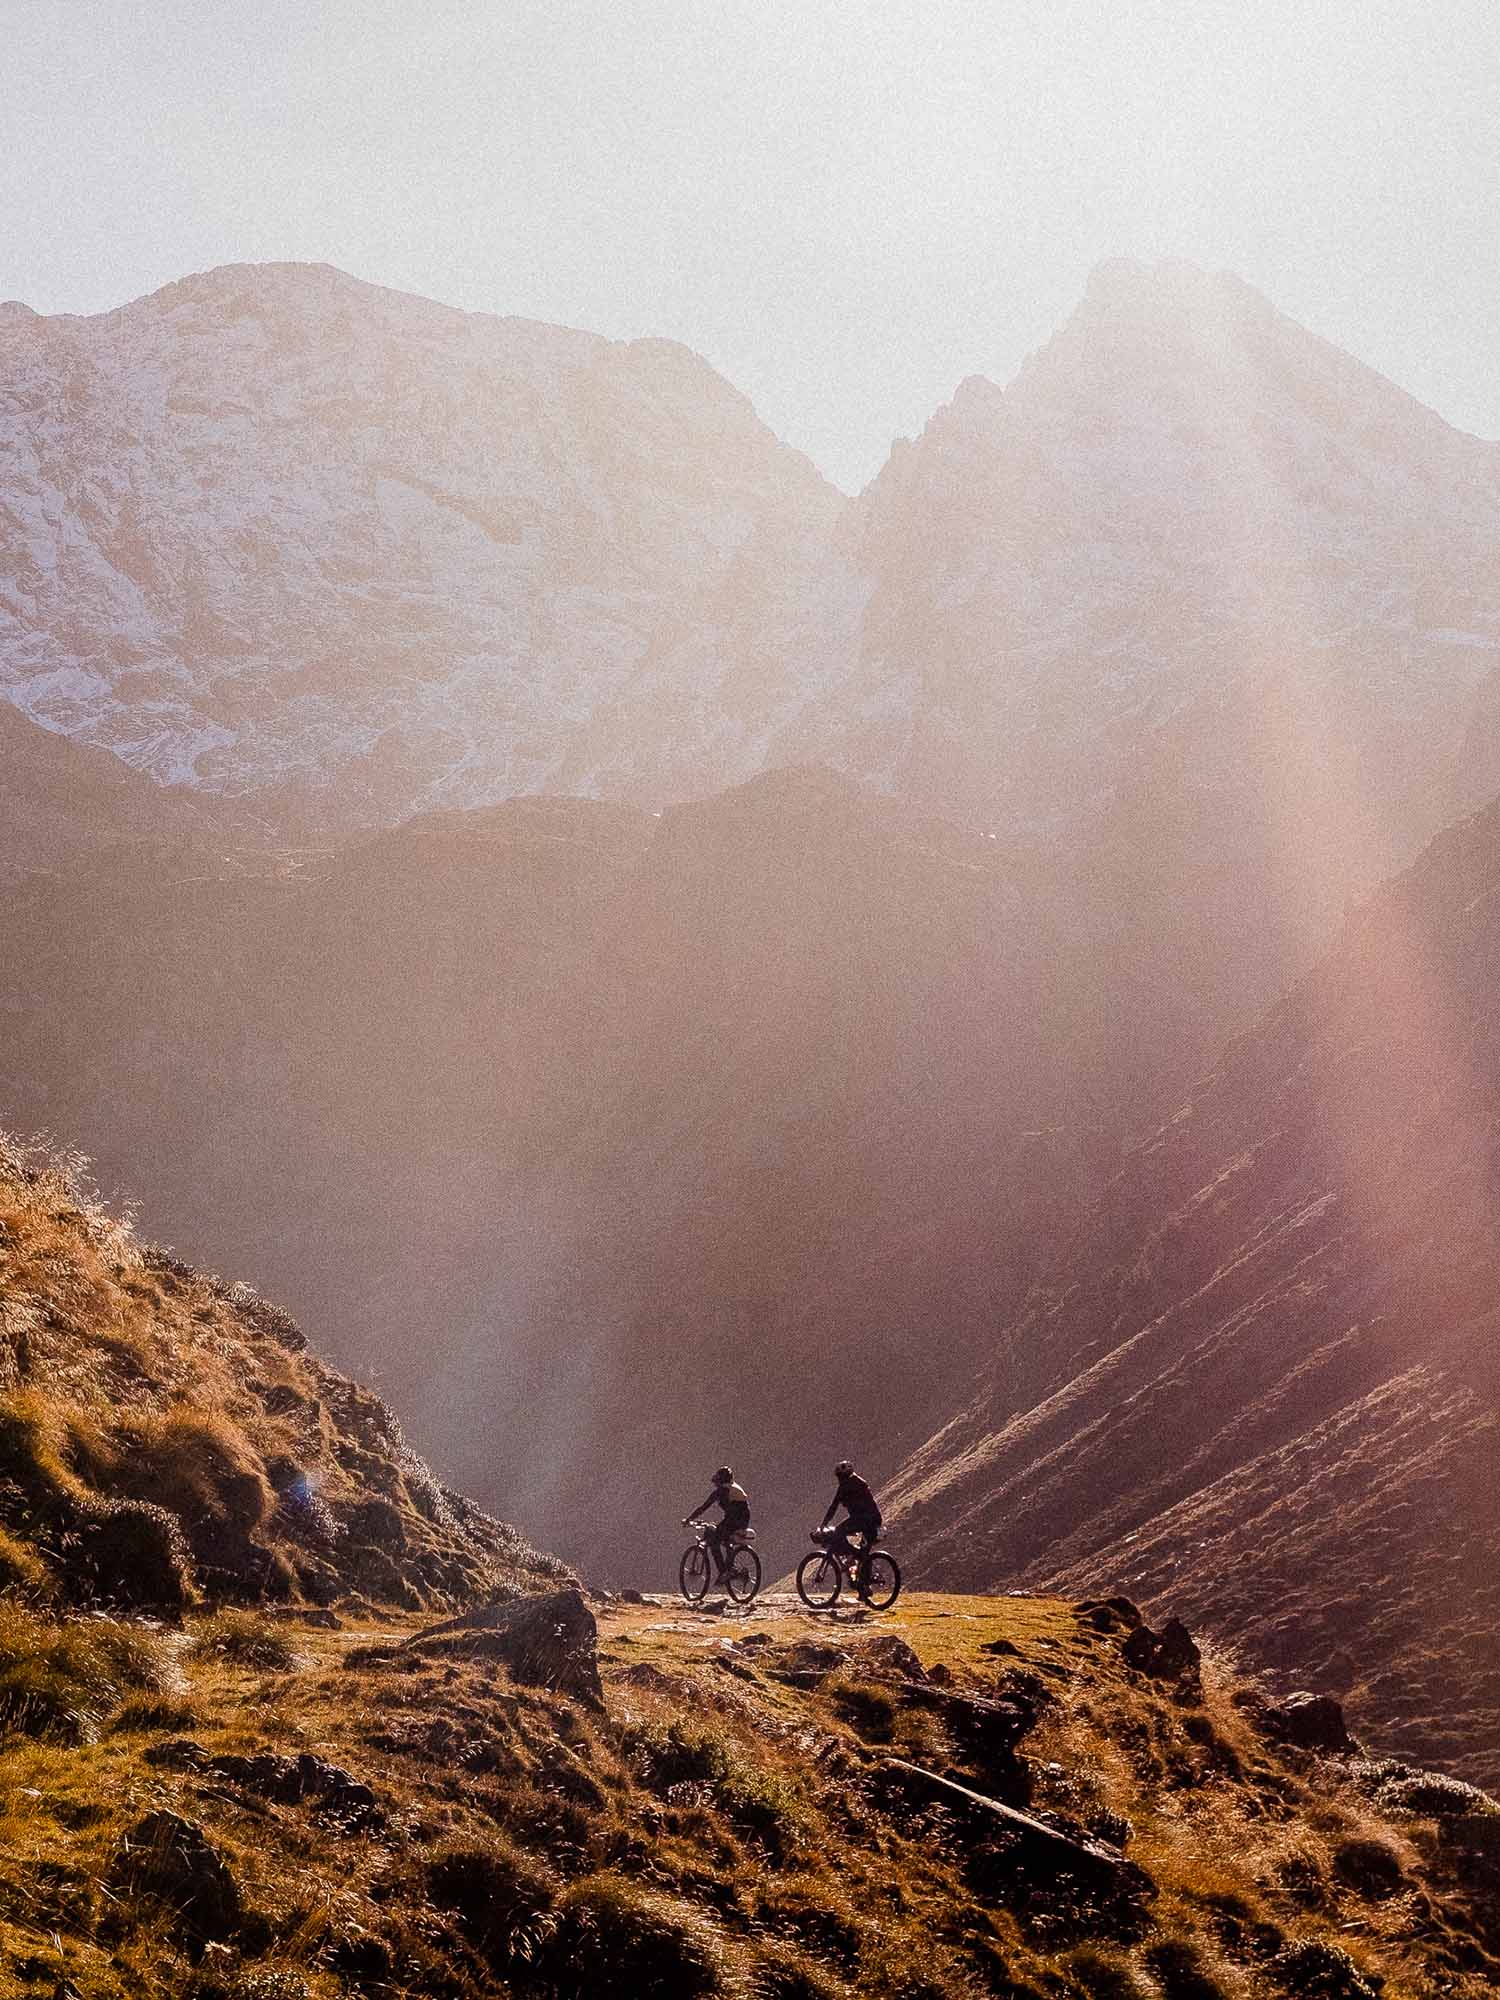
<point x="862" y="1517"/>
<point x="734" y="1503"/>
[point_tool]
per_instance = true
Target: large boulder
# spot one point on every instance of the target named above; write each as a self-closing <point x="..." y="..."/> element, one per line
<point x="550" y="1642"/>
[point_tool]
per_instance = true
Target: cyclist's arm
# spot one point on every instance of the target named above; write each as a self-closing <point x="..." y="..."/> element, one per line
<point x="833" y="1509"/>
<point x="702" y="1504"/>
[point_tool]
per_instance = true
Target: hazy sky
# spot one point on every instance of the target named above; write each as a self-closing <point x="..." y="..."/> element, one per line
<point x="846" y="207"/>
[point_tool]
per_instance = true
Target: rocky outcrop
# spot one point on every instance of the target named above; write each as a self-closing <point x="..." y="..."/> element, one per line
<point x="549" y="1641"/>
<point x="1310" y="1721"/>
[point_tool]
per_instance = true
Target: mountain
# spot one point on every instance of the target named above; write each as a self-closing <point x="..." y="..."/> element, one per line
<point x="62" y="804"/>
<point x="294" y="1717"/>
<point x="613" y="1105"/>
<point x="1197" y="590"/>
<point x="623" y="1134"/>
<point x="1260" y="1384"/>
<point x="350" y="555"/>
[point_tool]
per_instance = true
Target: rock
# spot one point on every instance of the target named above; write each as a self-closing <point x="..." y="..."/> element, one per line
<point x="168" y="1859"/>
<point x="1473" y="1841"/>
<point x="814" y="1656"/>
<point x="1170" y="1654"/>
<point x="338" y="1798"/>
<point x="1002" y="1648"/>
<point x="178" y="1753"/>
<point x="1021" y="1861"/>
<point x="1321" y="1971"/>
<point x="1108" y="1612"/>
<point x="888" y="1654"/>
<point x="375" y="1523"/>
<point x="1308" y="1721"/>
<point x="550" y="1642"/>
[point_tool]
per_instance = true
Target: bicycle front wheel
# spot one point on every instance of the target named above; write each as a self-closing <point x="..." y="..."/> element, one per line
<point x="882" y="1581"/>
<point x="819" y="1578"/>
<point x="743" y="1579"/>
<point x="694" y="1573"/>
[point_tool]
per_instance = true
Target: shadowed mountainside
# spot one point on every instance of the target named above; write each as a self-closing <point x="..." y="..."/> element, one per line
<point x="555" y="1112"/>
<point x="1261" y="1382"/>
<point x="63" y="804"/>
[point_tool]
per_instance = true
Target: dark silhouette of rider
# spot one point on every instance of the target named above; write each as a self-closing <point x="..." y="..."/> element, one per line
<point x="862" y="1516"/>
<point x="734" y="1502"/>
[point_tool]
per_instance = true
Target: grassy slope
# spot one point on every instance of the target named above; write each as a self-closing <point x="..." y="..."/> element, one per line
<point x="715" y="1831"/>
<point x="166" y="1437"/>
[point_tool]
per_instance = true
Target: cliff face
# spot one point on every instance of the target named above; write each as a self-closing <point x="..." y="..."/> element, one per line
<point x="1261" y="1383"/>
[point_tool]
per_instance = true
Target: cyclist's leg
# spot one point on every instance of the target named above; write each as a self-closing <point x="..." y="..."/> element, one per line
<point x="868" y="1536"/>
<point x="720" y="1554"/>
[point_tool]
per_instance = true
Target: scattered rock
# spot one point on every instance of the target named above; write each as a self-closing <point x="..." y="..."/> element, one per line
<point x="178" y="1753"/>
<point x="1002" y="1648"/>
<point x="337" y="1797"/>
<point x="1308" y="1721"/>
<point x="550" y="1642"/>
<point x="1170" y="1654"/>
<point x="888" y="1654"/>
<point x="168" y="1859"/>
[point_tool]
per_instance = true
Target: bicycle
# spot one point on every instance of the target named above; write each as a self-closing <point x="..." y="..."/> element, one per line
<point x="741" y="1577"/>
<point x="872" y="1574"/>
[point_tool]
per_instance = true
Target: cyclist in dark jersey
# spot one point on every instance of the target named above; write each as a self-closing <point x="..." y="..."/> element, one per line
<point x="734" y="1502"/>
<point x="862" y="1516"/>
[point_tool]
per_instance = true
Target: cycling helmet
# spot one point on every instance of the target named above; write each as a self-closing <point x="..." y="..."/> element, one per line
<point x="723" y="1477"/>
<point x="843" y="1469"/>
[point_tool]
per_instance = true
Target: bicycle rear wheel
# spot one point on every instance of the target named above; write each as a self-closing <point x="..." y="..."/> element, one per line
<point x="743" y="1579"/>
<point x="694" y="1573"/>
<point x="882" y="1581"/>
<point x="819" y="1579"/>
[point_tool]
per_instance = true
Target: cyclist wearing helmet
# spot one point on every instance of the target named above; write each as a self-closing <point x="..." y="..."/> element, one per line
<point x="862" y="1515"/>
<point x="734" y="1502"/>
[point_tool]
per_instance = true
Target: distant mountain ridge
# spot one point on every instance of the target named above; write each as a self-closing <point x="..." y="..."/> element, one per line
<point x="355" y="555"/>
<point x="276" y="532"/>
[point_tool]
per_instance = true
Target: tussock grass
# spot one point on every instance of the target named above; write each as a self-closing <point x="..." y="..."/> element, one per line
<point x="58" y="1679"/>
<point x="246" y="1639"/>
<point x="618" y="1940"/>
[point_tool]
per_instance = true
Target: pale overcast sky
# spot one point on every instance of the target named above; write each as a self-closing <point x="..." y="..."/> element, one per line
<point x="846" y="207"/>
